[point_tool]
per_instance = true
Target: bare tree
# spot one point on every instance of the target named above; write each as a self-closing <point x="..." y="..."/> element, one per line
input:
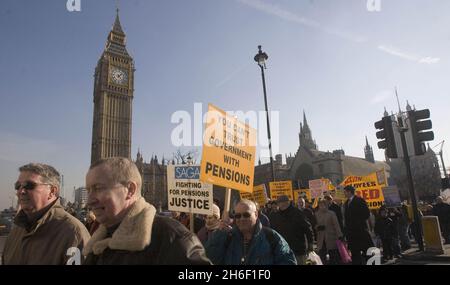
<point x="181" y="157"/>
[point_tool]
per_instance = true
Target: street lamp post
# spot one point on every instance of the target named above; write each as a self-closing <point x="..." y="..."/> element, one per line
<point x="261" y="58"/>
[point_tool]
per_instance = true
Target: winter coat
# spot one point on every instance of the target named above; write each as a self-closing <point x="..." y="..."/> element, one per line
<point x="442" y="211"/>
<point x="293" y="225"/>
<point x="226" y="248"/>
<point x="356" y="214"/>
<point x="46" y="241"/>
<point x="264" y="219"/>
<point x="332" y="231"/>
<point x="336" y="209"/>
<point x="204" y="234"/>
<point x="384" y="228"/>
<point x="309" y="214"/>
<point x="144" y="238"/>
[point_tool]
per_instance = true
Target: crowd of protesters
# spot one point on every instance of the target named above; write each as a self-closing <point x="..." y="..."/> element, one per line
<point x="118" y="226"/>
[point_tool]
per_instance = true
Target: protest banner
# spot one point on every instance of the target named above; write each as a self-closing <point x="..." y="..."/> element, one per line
<point x="317" y="187"/>
<point x="368" y="188"/>
<point x="391" y="197"/>
<point x="186" y="193"/>
<point x="304" y="193"/>
<point x="279" y="188"/>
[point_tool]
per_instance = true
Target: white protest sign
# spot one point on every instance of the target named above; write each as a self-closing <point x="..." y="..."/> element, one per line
<point x="185" y="191"/>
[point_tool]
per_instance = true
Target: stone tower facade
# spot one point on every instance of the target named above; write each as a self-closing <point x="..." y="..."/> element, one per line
<point x="368" y="152"/>
<point x="113" y="97"/>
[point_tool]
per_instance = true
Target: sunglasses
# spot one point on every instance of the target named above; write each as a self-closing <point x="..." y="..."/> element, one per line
<point x="28" y="185"/>
<point x="244" y="215"/>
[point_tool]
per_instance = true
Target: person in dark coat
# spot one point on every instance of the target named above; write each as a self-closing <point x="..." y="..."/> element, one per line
<point x="395" y="217"/>
<point x="442" y="211"/>
<point x="293" y="225"/>
<point x="385" y="228"/>
<point x="356" y="213"/>
<point x="309" y="213"/>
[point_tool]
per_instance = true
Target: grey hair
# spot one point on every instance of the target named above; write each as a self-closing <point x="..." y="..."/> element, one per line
<point x="47" y="172"/>
<point x="122" y="170"/>
<point x="249" y="203"/>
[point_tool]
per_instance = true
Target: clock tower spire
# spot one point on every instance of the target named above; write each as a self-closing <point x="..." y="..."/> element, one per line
<point x="113" y="97"/>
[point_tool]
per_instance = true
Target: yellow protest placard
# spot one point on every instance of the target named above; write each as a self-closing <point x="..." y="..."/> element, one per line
<point x="304" y="193"/>
<point x="368" y="188"/>
<point x="339" y="194"/>
<point x="228" y="155"/>
<point x="279" y="188"/>
<point x="260" y="195"/>
<point x="246" y="195"/>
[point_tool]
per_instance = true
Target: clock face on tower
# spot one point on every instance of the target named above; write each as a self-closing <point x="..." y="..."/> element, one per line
<point x="119" y="76"/>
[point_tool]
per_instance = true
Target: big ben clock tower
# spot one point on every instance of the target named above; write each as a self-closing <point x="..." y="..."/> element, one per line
<point x="113" y="97"/>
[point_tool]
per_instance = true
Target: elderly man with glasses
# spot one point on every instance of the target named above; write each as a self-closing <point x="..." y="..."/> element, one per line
<point x="44" y="233"/>
<point x="248" y="242"/>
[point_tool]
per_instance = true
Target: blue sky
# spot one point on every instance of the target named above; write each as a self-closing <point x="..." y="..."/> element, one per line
<point x="334" y="59"/>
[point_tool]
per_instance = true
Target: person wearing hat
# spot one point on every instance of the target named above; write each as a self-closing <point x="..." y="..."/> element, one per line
<point x="335" y="208"/>
<point x="356" y="213"/>
<point x="293" y="225"/>
<point x="212" y="223"/>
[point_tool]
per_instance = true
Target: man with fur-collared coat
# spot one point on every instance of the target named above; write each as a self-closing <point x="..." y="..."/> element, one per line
<point x="130" y="232"/>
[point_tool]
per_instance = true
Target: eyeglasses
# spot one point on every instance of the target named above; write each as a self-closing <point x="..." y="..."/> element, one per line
<point x="244" y="215"/>
<point x="28" y="185"/>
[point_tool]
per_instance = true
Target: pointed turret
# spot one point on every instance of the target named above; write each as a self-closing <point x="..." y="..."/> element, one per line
<point x="305" y="122"/>
<point x="408" y="107"/>
<point x="116" y="38"/>
<point x="305" y="135"/>
<point x="368" y="152"/>
<point x="117" y="28"/>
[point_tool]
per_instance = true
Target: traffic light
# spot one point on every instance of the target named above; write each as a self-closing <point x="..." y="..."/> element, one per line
<point x="386" y="133"/>
<point x="418" y="124"/>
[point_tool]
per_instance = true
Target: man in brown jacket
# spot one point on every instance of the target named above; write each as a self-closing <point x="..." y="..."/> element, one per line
<point x="44" y="233"/>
